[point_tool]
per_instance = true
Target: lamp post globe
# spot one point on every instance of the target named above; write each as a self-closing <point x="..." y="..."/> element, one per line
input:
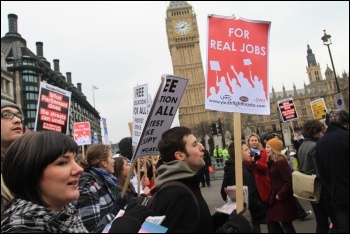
<point x="327" y="42"/>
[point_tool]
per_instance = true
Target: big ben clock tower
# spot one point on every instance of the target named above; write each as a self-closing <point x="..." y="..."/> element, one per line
<point x="183" y="41"/>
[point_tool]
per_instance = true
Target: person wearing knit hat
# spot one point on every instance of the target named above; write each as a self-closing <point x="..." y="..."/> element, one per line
<point x="275" y="143"/>
<point x="340" y="117"/>
<point x="11" y="123"/>
<point x="281" y="197"/>
<point x="5" y="103"/>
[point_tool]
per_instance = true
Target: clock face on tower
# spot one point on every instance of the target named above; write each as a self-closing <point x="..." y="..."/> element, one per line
<point x="182" y="27"/>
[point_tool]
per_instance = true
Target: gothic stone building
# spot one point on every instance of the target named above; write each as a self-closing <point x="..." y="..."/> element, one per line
<point x="21" y="74"/>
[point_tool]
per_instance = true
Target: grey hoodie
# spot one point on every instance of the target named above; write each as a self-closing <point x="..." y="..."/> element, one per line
<point x="173" y="170"/>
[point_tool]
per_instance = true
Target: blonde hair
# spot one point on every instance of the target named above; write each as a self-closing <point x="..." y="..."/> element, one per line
<point x="95" y="154"/>
<point x="277" y="155"/>
<point x="257" y="136"/>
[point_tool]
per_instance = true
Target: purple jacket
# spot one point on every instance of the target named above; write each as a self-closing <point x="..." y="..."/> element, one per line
<point x="284" y="210"/>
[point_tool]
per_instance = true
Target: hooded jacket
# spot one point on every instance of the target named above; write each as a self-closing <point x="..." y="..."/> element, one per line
<point x="177" y="203"/>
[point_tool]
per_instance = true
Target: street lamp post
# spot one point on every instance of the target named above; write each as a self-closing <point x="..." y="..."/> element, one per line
<point x="327" y="41"/>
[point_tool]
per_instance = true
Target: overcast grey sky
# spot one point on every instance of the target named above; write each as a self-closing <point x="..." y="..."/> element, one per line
<point x="118" y="45"/>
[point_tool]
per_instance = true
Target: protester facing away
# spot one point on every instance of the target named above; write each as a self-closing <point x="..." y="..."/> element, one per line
<point x="293" y="162"/>
<point x="41" y="171"/>
<point x="332" y="158"/>
<point x="229" y="172"/>
<point x="206" y="175"/>
<point x="281" y="207"/>
<point x="182" y="157"/>
<point x="11" y="129"/>
<point x="225" y="154"/>
<point x="125" y="147"/>
<point x="312" y="132"/>
<point x="297" y="140"/>
<point x="218" y="155"/>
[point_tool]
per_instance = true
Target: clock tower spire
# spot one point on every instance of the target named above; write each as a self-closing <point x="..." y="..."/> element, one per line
<point x="183" y="42"/>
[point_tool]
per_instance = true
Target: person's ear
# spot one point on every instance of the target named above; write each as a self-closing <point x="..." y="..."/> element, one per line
<point x="104" y="163"/>
<point x="180" y="155"/>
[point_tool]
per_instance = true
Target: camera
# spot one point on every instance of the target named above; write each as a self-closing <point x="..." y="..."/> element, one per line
<point x="255" y="153"/>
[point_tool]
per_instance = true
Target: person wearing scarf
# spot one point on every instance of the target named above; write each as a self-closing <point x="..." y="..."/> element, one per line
<point x="40" y="170"/>
<point x="98" y="203"/>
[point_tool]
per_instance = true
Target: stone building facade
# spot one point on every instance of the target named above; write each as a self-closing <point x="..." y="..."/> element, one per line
<point x="21" y="74"/>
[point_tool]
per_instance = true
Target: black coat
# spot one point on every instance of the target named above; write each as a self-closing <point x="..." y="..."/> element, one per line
<point x="207" y="158"/>
<point x="229" y="176"/>
<point x="332" y="158"/>
<point x="256" y="207"/>
<point x="180" y="209"/>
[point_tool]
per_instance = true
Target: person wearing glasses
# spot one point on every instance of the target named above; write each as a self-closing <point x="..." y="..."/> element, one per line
<point x="11" y="129"/>
<point x="11" y="123"/>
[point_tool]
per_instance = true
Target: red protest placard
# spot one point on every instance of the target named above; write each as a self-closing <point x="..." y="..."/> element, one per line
<point x="237" y="65"/>
<point x="287" y="109"/>
<point x="82" y="134"/>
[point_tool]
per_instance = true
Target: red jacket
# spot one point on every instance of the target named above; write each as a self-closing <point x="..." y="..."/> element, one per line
<point x="261" y="175"/>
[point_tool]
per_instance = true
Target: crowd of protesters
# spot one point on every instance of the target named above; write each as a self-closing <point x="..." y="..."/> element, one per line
<point x="46" y="186"/>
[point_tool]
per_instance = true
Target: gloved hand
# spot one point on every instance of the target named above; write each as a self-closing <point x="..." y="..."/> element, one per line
<point x="237" y="224"/>
<point x="256" y="154"/>
<point x="119" y="203"/>
<point x="257" y="157"/>
<point x="138" y="212"/>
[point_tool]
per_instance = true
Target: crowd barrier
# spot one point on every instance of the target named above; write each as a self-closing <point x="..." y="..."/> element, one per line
<point x="218" y="166"/>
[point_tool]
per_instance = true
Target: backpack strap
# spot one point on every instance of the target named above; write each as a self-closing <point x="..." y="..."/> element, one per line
<point x="150" y="203"/>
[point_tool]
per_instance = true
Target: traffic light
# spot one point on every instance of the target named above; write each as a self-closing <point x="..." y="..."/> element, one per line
<point x="214" y="131"/>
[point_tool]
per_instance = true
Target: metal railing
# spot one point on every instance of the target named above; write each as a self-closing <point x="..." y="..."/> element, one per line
<point x="218" y="166"/>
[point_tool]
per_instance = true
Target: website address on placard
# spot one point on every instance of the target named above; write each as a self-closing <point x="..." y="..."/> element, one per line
<point x="247" y="104"/>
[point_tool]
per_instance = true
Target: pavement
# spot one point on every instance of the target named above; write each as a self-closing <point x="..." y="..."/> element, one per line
<point x="213" y="198"/>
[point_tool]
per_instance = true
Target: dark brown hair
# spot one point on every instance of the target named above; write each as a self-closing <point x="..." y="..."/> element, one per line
<point x="231" y="149"/>
<point x="173" y="140"/>
<point x="312" y="127"/>
<point x="28" y="156"/>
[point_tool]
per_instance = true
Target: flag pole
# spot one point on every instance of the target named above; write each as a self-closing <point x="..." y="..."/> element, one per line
<point x="93" y="95"/>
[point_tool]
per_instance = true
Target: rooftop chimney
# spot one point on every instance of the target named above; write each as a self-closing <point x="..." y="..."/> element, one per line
<point x="12" y="23"/>
<point x="69" y="77"/>
<point x="79" y="87"/>
<point x="12" y="33"/>
<point x="39" y="49"/>
<point x="56" y="65"/>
